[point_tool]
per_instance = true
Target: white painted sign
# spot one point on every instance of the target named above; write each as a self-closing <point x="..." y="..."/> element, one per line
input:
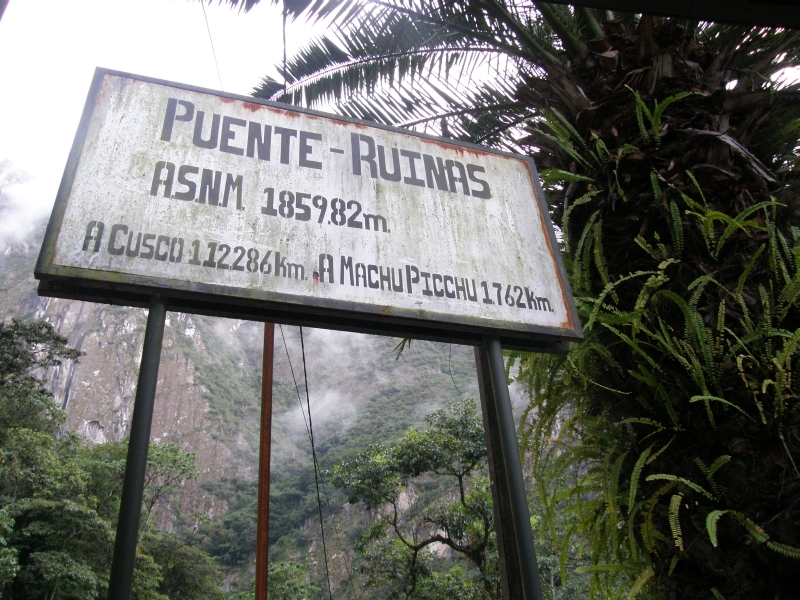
<point x="175" y="188"/>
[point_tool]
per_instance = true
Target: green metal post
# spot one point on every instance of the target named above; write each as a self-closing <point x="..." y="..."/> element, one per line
<point x="518" y="501"/>
<point x="130" y="509"/>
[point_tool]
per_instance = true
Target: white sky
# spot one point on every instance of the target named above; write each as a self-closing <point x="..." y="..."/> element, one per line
<point x="49" y="51"/>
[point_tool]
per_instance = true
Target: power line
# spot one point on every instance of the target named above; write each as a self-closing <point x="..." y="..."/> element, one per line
<point x="284" y="47"/>
<point x="213" y="52"/>
<point x="316" y="465"/>
<point x="310" y="432"/>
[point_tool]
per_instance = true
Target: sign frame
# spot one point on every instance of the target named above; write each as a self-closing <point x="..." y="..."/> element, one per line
<point x="129" y="289"/>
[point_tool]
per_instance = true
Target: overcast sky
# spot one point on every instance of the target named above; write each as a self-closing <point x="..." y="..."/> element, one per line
<point x="50" y="49"/>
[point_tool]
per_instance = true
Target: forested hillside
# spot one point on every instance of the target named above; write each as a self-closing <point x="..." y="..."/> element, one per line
<point x="208" y="403"/>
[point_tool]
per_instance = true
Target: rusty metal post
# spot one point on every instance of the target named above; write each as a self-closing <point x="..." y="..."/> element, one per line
<point x="262" y="532"/>
<point x="518" y="568"/>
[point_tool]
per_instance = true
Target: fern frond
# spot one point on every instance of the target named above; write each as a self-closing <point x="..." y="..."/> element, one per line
<point x="674" y="520"/>
<point x="640" y="582"/>
<point x="789" y="551"/>
<point x="637" y="471"/>
<point x="683" y="480"/>
<point x="676" y="227"/>
<point x="711" y="525"/>
<point x="717" y="399"/>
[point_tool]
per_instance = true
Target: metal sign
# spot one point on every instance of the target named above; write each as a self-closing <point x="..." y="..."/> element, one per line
<point x="237" y="207"/>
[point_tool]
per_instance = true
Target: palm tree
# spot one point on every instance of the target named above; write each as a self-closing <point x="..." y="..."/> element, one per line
<point x="669" y="153"/>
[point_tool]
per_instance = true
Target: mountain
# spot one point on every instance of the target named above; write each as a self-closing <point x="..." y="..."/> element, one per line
<point x="208" y="401"/>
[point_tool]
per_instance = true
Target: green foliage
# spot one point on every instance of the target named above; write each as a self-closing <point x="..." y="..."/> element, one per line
<point x="34" y="464"/>
<point x="26" y="348"/>
<point x="8" y="556"/>
<point x="403" y="485"/>
<point x="186" y="573"/>
<point x="701" y="367"/>
<point x="63" y="549"/>
<point x="59" y="498"/>
<point x="169" y="466"/>
<point x="290" y="581"/>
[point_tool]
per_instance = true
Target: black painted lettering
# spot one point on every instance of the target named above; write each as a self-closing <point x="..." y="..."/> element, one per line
<point x="448" y="293"/>
<point x="412" y="179"/>
<point x="435" y="170"/>
<point x="484" y="192"/>
<point x="387" y="278"/>
<point x="286" y="142"/>
<point x="530" y="296"/>
<point x="160" y="254"/>
<point x="461" y="289"/>
<point x="395" y="175"/>
<point x="129" y="249"/>
<point x="409" y="279"/>
<point x="544" y="304"/>
<point x="296" y="271"/>
<point x="436" y="291"/>
<point x="280" y="265"/>
<point x="499" y="288"/>
<point x="361" y="271"/>
<point x="191" y="187"/>
<point x="91" y="235"/>
<point x="228" y="135"/>
<point x="427" y="291"/>
<point x="461" y="178"/>
<point x="473" y="297"/>
<point x="373" y="221"/>
<point x="213" y="136"/>
<point x="148" y="246"/>
<point x="325" y="266"/>
<point x="176" y="243"/>
<point x="306" y="149"/>
<point x="233" y="185"/>
<point x="257" y="141"/>
<point x="158" y="181"/>
<point x="397" y="286"/>
<point x="370" y="270"/>
<point x="358" y="158"/>
<point x="346" y="263"/>
<point x="171" y="116"/>
<point x="210" y="184"/>
<point x="112" y="239"/>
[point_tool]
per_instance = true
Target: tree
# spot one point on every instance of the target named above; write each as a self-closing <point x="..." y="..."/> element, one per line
<point x="407" y="486"/>
<point x="186" y="573"/>
<point x="668" y="150"/>
<point x="59" y="499"/>
<point x="25" y="349"/>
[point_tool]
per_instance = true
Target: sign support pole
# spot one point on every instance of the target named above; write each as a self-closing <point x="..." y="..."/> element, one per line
<point x="262" y="531"/>
<point x="519" y="569"/>
<point x="130" y="509"/>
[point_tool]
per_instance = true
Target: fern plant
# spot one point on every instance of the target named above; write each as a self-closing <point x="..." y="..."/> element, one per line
<point x="698" y="374"/>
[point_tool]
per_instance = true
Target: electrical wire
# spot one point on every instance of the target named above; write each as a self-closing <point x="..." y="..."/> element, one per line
<point x="213" y="52"/>
<point x="284" y="48"/>
<point x="450" y="368"/>
<point x="316" y="465"/>
<point x="310" y="432"/>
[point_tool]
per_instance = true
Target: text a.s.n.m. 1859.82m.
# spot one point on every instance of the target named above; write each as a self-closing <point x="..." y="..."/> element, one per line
<point x="293" y="205"/>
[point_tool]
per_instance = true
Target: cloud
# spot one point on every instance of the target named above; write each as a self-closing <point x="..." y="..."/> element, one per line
<point x="20" y="215"/>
